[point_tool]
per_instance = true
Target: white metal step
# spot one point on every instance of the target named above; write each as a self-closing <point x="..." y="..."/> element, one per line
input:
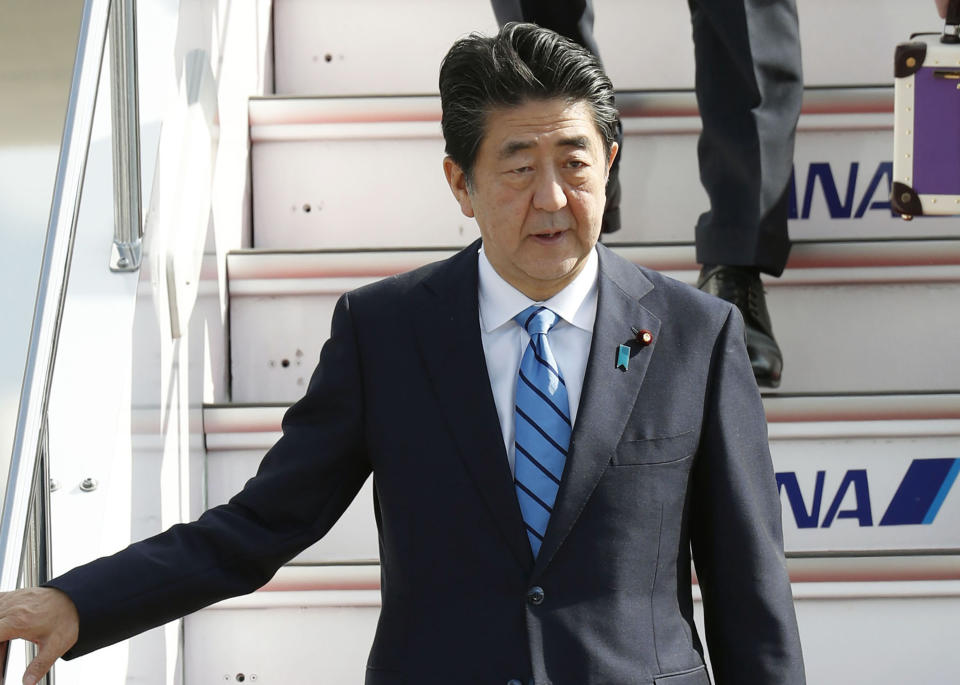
<point x="367" y="46"/>
<point x="324" y="636"/>
<point x="851" y="317"/>
<point x="867" y="448"/>
<point x="310" y="638"/>
<point x="366" y="172"/>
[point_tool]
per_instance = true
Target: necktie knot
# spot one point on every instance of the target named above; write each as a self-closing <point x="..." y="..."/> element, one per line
<point x="536" y="319"/>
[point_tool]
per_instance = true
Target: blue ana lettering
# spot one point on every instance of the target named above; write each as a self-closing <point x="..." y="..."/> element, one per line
<point x="788" y="481"/>
<point x="857" y="479"/>
<point x="917" y="501"/>
<point x="807" y="518"/>
<point x="842" y="208"/>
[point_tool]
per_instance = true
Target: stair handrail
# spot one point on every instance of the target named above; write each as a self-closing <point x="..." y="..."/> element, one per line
<point x="24" y="519"/>
<point x="52" y="286"/>
<point x="125" y="119"/>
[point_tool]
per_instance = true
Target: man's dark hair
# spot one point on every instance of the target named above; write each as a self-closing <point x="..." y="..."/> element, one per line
<point x="522" y="62"/>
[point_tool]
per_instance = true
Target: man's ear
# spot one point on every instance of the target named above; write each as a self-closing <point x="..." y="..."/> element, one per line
<point x="457" y="181"/>
<point x="614" y="146"/>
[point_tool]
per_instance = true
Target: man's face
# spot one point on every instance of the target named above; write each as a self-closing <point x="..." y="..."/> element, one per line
<point x="537" y="192"/>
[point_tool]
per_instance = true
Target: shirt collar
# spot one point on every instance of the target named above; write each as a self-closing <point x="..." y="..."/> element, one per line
<point x="500" y="302"/>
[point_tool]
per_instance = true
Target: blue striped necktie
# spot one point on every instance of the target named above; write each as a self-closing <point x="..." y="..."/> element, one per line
<point x="542" y="425"/>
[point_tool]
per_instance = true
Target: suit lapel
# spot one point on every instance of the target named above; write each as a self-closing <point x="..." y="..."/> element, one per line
<point x="448" y="332"/>
<point x="608" y="396"/>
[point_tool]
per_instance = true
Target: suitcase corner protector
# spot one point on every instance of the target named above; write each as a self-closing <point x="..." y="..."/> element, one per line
<point x="905" y="201"/>
<point x="909" y="58"/>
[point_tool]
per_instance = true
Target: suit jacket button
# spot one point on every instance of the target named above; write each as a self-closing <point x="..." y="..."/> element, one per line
<point x="535" y="597"/>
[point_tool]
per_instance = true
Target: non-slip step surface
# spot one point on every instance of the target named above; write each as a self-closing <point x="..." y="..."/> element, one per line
<point x="366" y="46"/>
<point x="367" y="172"/>
<point x="850" y="318"/>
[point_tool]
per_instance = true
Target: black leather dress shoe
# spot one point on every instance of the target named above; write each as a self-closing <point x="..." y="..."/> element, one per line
<point x="742" y="287"/>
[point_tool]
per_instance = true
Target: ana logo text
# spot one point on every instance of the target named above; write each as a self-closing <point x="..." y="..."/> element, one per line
<point x="875" y="197"/>
<point x="917" y="500"/>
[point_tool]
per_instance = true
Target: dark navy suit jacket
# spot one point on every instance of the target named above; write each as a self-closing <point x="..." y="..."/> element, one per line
<point x="667" y="456"/>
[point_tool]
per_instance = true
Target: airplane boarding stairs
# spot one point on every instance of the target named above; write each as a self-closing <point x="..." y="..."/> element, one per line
<point x="865" y="429"/>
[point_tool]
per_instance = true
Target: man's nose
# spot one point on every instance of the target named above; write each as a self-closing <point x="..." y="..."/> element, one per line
<point x="548" y="194"/>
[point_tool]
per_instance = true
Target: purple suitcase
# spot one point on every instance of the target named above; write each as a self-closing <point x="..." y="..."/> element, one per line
<point x="926" y="166"/>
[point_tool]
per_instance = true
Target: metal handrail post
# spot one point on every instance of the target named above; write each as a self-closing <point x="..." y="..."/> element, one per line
<point x="125" y="117"/>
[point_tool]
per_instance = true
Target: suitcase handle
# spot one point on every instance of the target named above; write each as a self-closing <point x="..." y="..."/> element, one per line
<point x="951" y="29"/>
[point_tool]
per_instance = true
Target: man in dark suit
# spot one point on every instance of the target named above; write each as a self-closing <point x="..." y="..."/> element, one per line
<point x="749" y="90"/>
<point x="550" y="428"/>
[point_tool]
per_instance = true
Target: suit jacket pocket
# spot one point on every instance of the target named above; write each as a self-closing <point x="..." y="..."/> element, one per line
<point x="698" y="676"/>
<point x="656" y="450"/>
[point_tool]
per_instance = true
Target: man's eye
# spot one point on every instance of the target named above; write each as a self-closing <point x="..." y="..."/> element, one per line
<point x="577" y="164"/>
<point x="523" y="170"/>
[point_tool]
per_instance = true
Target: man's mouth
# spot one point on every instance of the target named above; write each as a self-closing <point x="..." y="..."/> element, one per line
<point x="548" y="236"/>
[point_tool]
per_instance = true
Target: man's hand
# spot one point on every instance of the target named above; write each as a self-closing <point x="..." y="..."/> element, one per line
<point x="44" y="616"/>
<point x="942" y="8"/>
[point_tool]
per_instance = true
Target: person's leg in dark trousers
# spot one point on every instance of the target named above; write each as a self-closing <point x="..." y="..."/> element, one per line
<point x="570" y="18"/>
<point x="749" y="89"/>
<point x="573" y="19"/>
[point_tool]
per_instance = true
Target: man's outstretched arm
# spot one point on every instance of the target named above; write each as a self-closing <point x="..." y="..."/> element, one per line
<point x="44" y="616"/>
<point x="302" y="487"/>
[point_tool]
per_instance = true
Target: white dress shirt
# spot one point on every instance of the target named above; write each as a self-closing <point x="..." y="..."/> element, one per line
<point x="504" y="340"/>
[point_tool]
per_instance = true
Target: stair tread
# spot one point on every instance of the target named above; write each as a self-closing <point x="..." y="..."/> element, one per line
<point x="267" y="264"/>
<point x="223" y="419"/>
<point x="269" y="111"/>
<point x="895" y="565"/>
